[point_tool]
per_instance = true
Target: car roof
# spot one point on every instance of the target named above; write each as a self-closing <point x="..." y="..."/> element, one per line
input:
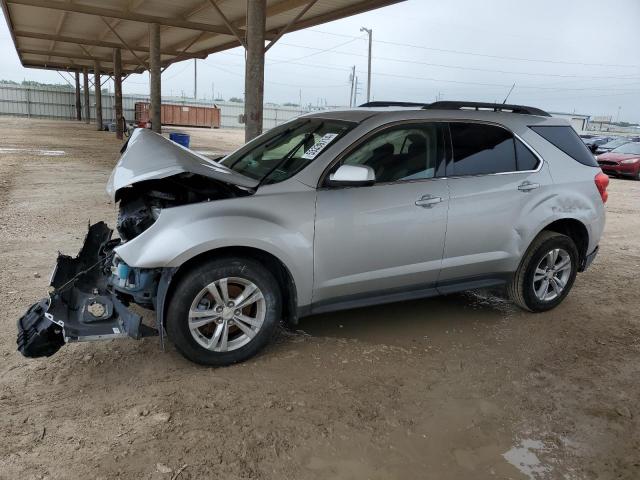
<point x="394" y="113"/>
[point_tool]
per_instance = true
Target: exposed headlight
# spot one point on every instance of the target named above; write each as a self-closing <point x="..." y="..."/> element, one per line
<point x="630" y="160"/>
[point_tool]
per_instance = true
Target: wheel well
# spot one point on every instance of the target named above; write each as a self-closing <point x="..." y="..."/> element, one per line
<point x="575" y="230"/>
<point x="269" y="261"/>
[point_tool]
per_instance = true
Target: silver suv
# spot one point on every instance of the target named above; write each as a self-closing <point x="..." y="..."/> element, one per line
<point x="333" y="210"/>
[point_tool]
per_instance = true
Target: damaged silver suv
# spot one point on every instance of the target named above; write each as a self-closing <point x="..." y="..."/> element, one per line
<point x="333" y="210"/>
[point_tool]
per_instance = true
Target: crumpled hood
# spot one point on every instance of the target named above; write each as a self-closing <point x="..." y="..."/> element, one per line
<point x="150" y="156"/>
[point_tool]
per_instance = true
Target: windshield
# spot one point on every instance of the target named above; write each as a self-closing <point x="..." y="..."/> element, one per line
<point x="615" y="143"/>
<point x="629" y="148"/>
<point x="286" y="150"/>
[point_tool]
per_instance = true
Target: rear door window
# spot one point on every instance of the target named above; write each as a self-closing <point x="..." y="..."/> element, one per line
<point x="480" y="149"/>
<point x="566" y="139"/>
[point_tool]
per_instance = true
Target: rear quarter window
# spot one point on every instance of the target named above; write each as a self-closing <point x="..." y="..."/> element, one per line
<point x="566" y="139"/>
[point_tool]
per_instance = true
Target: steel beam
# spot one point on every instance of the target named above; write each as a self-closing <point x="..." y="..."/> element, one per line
<point x="254" y="68"/>
<point x="122" y="14"/>
<point x="78" y="102"/>
<point x="117" y="82"/>
<point x="236" y="33"/>
<point x="86" y="41"/>
<point x="155" y="78"/>
<point x="292" y="22"/>
<point x="97" y="87"/>
<point x="87" y="107"/>
<point x="113" y="30"/>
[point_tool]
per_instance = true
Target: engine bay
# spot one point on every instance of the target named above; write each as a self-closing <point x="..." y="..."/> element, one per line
<point x="141" y="203"/>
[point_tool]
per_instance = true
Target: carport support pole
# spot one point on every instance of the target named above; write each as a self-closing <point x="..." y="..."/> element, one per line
<point x="254" y="69"/>
<point x="117" y="82"/>
<point x="98" y="94"/>
<point x="87" y="107"/>
<point x="154" y="77"/>
<point x="78" y="103"/>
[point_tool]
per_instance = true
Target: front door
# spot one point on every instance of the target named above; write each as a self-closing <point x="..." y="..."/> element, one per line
<point x="387" y="238"/>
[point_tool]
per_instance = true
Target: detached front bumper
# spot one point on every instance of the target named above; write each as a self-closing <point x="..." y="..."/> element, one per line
<point x="85" y="302"/>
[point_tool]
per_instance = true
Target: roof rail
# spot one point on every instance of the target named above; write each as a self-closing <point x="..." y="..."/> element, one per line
<point x="496" y="107"/>
<point x="393" y="104"/>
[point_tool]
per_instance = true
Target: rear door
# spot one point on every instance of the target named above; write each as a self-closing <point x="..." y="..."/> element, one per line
<point x="389" y="237"/>
<point x="492" y="175"/>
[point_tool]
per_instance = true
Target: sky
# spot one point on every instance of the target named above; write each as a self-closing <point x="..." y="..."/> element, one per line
<point x="577" y="56"/>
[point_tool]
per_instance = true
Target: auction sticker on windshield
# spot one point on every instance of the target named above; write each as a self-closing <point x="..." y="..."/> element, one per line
<point x="318" y="147"/>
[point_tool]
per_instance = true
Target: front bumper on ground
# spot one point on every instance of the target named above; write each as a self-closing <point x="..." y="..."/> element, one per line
<point x="83" y="304"/>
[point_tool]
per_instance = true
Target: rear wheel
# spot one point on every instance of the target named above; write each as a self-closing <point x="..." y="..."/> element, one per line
<point x="546" y="274"/>
<point x="224" y="311"/>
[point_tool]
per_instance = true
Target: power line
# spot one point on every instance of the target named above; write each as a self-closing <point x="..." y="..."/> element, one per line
<point x="460" y="67"/>
<point x="238" y="74"/>
<point x="502" y="57"/>
<point x="461" y="82"/>
<point x="320" y="50"/>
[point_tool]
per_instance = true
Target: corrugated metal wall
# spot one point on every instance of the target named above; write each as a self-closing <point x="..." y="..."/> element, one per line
<point x="48" y="102"/>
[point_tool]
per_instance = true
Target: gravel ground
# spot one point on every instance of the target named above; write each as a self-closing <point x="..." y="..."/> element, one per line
<point x="464" y="386"/>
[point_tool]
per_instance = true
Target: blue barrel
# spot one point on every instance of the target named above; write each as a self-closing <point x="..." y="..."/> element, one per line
<point x="181" y="138"/>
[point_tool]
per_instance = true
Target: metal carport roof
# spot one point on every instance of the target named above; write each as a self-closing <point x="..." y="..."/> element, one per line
<point x="72" y="34"/>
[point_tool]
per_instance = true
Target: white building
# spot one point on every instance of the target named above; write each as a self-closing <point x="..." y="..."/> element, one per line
<point x="578" y="121"/>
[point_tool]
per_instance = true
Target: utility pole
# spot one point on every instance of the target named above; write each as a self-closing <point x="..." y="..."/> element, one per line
<point x="352" y="78"/>
<point x="195" y="78"/>
<point x="356" y="91"/>
<point x="370" y="33"/>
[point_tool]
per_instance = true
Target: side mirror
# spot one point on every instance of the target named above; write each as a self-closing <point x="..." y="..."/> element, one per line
<point x="352" y="176"/>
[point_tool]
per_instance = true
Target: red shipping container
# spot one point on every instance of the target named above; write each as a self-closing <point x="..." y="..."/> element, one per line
<point x="181" y="115"/>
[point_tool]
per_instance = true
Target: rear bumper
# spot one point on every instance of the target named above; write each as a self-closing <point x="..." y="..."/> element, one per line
<point x="588" y="260"/>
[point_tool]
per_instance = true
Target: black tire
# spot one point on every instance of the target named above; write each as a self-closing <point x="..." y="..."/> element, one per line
<point x="192" y="283"/>
<point x="521" y="289"/>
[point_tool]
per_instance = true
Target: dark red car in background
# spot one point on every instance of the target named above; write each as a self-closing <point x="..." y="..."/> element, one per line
<point x="623" y="160"/>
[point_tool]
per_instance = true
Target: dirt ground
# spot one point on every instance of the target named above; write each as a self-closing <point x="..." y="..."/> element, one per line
<point x="460" y="387"/>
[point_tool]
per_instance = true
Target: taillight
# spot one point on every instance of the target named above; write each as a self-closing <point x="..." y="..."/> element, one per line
<point x="602" y="181"/>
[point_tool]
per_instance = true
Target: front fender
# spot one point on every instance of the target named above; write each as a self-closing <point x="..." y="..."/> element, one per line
<point x="283" y="229"/>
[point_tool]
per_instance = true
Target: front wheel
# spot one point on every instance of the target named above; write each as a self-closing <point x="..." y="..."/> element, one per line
<point x="546" y="274"/>
<point x="224" y="311"/>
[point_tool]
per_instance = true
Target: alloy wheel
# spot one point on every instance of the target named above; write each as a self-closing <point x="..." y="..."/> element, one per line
<point x="227" y="314"/>
<point x="552" y="274"/>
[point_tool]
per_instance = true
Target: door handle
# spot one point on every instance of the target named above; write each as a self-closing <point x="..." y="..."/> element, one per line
<point x="528" y="186"/>
<point x="428" y="201"/>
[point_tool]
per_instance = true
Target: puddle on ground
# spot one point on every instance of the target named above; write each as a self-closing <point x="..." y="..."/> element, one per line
<point x="524" y="458"/>
<point x="33" y="151"/>
<point x="411" y="322"/>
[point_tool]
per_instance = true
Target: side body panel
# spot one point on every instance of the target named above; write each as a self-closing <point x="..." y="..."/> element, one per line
<point x="489" y="222"/>
<point x="376" y="238"/>
<point x="574" y="194"/>
<point x="492" y="223"/>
